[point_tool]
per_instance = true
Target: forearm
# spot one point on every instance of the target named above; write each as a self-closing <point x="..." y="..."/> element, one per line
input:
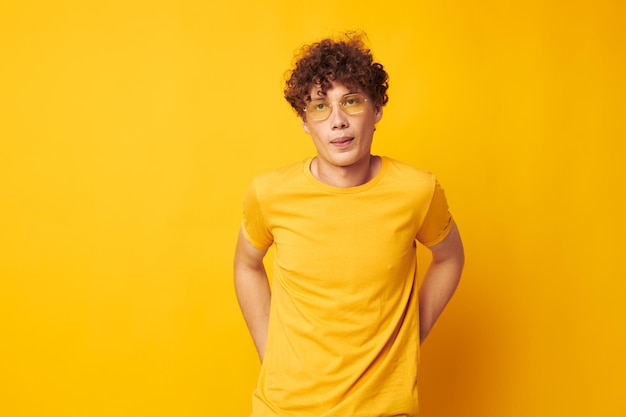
<point x="441" y="280"/>
<point x="253" y="293"/>
<point x="437" y="289"/>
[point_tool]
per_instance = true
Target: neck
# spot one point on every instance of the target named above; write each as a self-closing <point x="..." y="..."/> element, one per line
<point x="346" y="176"/>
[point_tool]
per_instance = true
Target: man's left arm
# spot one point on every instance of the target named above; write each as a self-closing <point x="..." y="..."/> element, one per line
<point x="441" y="279"/>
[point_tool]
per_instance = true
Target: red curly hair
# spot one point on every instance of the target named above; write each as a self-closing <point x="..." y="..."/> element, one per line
<point x="347" y="61"/>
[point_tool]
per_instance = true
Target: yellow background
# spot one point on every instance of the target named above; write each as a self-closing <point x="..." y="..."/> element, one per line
<point x="130" y="129"/>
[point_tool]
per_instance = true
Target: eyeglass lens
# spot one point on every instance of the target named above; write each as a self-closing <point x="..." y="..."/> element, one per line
<point x="350" y="104"/>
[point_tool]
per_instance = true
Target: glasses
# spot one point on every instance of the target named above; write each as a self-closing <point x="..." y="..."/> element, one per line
<point x="318" y="110"/>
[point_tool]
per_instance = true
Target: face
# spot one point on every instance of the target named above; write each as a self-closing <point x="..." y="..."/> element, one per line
<point x="342" y="140"/>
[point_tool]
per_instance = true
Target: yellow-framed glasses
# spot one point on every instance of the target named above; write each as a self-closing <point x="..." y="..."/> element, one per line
<point x="318" y="110"/>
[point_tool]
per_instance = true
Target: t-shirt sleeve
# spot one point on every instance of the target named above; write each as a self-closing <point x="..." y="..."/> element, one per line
<point x="254" y="223"/>
<point x="438" y="220"/>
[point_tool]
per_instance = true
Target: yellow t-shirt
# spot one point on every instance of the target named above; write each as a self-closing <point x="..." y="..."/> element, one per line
<point x="343" y="338"/>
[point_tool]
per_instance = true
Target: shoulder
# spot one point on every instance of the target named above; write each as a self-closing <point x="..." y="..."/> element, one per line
<point x="285" y="173"/>
<point x="279" y="180"/>
<point x="407" y="175"/>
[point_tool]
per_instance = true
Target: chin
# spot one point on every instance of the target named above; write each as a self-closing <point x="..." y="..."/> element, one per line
<point x="347" y="162"/>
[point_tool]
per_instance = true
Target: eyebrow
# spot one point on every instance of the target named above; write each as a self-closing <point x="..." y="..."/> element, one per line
<point x="325" y="97"/>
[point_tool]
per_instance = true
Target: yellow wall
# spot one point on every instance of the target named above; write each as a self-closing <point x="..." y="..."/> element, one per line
<point x="130" y="129"/>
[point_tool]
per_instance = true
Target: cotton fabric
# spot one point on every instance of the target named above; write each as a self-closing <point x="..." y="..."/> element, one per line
<point x="343" y="338"/>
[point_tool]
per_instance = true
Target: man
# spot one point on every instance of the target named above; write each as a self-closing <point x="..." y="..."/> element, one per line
<point x="339" y="332"/>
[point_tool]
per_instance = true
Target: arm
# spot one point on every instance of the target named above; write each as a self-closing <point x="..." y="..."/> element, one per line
<point x="253" y="290"/>
<point x="441" y="279"/>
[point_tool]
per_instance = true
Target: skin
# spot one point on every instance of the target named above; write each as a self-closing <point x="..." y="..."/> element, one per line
<point x="253" y="291"/>
<point x="343" y="143"/>
<point x="441" y="279"/>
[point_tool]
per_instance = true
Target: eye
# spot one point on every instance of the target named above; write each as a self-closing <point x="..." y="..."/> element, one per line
<point x="353" y="100"/>
<point x="317" y="106"/>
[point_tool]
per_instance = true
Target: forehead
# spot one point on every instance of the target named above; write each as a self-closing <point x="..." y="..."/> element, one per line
<point x="337" y="90"/>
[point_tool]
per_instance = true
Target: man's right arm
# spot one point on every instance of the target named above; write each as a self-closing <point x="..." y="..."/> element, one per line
<point x="253" y="290"/>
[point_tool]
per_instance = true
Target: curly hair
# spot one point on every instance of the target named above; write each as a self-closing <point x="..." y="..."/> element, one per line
<point x="347" y="61"/>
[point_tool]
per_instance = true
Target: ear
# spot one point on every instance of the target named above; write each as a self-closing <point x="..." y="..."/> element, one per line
<point x="305" y="126"/>
<point x="378" y="113"/>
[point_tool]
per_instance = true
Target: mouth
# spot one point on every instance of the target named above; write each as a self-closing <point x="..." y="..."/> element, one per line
<point x="342" y="142"/>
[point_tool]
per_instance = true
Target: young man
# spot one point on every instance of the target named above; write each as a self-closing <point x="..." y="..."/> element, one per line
<point x="340" y="331"/>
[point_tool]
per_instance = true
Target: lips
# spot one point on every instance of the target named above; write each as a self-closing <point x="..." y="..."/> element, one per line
<point x="341" y="142"/>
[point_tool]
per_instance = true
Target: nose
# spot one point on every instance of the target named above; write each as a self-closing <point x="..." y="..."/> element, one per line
<point x="338" y="118"/>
